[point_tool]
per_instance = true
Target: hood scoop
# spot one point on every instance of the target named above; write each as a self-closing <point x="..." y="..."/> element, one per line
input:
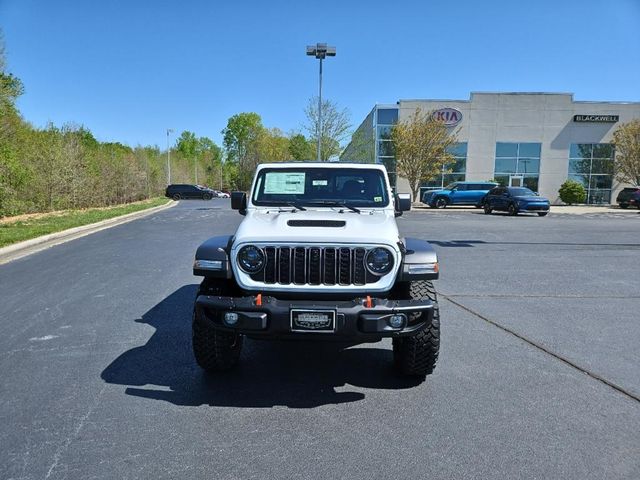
<point x="317" y="223"/>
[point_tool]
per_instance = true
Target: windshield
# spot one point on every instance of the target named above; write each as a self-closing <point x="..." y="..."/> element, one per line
<point x="355" y="187"/>
<point x="521" y="192"/>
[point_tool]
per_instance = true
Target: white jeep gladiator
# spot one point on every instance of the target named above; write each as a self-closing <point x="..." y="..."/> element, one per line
<point x="317" y="256"/>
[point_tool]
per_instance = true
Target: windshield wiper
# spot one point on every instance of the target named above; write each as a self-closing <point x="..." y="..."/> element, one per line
<point x="295" y="205"/>
<point x="338" y="204"/>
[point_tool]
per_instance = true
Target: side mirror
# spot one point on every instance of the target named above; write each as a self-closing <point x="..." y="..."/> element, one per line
<point x="239" y="202"/>
<point x="403" y="203"/>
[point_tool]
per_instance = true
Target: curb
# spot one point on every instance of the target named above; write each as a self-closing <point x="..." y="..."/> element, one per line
<point x="27" y="247"/>
<point x="555" y="209"/>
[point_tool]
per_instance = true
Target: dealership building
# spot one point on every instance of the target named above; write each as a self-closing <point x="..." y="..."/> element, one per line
<point x="538" y="140"/>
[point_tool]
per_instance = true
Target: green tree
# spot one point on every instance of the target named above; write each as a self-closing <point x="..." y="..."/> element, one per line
<point x="211" y="160"/>
<point x="190" y="148"/>
<point x="421" y="145"/>
<point x="188" y="144"/>
<point x="300" y="148"/>
<point x="572" y="192"/>
<point x="241" y="137"/>
<point x="10" y="86"/>
<point x="627" y="161"/>
<point x="335" y="127"/>
<point x="273" y="146"/>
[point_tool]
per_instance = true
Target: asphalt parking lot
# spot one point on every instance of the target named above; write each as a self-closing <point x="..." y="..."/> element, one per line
<point x="538" y="375"/>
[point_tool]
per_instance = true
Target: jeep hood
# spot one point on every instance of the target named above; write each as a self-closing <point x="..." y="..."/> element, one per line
<point x="312" y="226"/>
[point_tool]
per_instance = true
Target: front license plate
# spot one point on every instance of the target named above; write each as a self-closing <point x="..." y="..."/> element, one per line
<point x="313" y="320"/>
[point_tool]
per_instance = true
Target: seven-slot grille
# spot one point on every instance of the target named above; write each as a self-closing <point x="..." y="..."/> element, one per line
<point x="315" y="266"/>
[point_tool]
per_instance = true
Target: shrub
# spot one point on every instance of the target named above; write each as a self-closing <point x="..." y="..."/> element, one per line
<point x="572" y="192"/>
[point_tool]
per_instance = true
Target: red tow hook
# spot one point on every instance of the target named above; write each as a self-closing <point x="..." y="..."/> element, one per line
<point x="259" y="300"/>
<point x="368" y="303"/>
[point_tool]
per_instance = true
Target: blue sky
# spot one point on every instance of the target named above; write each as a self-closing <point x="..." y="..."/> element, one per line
<point x="127" y="70"/>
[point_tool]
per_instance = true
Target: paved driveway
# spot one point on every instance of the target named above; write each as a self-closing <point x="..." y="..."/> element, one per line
<point x="538" y="374"/>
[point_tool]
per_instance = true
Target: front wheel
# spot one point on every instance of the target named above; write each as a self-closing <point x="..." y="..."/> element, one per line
<point x="207" y="196"/>
<point x="513" y="210"/>
<point x="542" y="214"/>
<point x="417" y="355"/>
<point x="487" y="209"/>
<point x="441" y="202"/>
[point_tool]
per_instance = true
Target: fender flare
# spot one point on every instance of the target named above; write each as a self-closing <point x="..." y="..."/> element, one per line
<point x="215" y="249"/>
<point x="416" y="253"/>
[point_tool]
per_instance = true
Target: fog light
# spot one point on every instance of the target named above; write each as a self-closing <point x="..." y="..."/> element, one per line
<point x="398" y="320"/>
<point x="230" y="318"/>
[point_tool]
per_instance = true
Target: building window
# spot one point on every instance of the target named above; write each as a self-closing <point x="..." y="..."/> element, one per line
<point x="592" y="165"/>
<point x="386" y="118"/>
<point x="453" y="172"/>
<point x="518" y="160"/>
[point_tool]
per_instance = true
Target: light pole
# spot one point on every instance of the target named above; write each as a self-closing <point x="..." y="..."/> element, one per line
<point x="320" y="51"/>
<point x="168" y="158"/>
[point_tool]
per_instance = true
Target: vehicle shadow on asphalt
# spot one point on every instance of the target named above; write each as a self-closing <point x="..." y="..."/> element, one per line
<point x="292" y="374"/>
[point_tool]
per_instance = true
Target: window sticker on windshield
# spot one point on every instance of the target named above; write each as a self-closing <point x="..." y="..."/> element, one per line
<point x="284" y="183"/>
<point x="320" y="183"/>
<point x="377" y="199"/>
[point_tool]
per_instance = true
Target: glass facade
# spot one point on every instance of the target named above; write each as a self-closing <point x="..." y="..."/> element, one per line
<point x="453" y="172"/>
<point x="592" y="165"/>
<point x="520" y="160"/>
<point x="385" y="119"/>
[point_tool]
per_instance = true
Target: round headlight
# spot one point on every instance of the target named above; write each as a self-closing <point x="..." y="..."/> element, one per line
<point x="379" y="261"/>
<point x="251" y="259"/>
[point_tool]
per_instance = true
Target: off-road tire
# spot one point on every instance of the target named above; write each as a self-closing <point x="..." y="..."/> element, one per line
<point x="542" y="214"/>
<point x="215" y="350"/>
<point x="513" y="209"/>
<point x="417" y="355"/>
<point x="440" y="202"/>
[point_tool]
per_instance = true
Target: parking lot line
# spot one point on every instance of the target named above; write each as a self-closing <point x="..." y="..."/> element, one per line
<point x="544" y="349"/>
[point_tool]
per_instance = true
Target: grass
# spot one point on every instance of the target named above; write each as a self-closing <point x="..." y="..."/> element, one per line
<point x="26" y="227"/>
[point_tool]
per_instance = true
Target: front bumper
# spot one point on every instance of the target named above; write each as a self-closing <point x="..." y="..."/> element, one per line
<point x="534" y="207"/>
<point x="353" y="319"/>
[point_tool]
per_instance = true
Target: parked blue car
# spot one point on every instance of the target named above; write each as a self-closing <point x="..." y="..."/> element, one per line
<point x="458" y="193"/>
<point x="515" y="200"/>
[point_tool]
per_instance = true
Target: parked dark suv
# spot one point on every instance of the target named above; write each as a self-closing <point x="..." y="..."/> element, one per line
<point x="628" y="196"/>
<point x="179" y="191"/>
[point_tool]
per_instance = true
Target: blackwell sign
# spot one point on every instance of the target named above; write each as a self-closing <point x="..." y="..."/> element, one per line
<point x="596" y="118"/>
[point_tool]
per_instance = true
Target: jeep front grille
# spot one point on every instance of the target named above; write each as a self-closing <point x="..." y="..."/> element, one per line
<point x="315" y="266"/>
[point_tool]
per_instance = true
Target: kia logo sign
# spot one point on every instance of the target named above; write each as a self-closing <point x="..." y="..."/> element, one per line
<point x="449" y="116"/>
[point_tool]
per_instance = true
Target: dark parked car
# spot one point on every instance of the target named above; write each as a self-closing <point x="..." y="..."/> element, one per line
<point x="180" y="191"/>
<point x="515" y="200"/>
<point x="634" y="201"/>
<point x="626" y="196"/>
<point x="458" y="193"/>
